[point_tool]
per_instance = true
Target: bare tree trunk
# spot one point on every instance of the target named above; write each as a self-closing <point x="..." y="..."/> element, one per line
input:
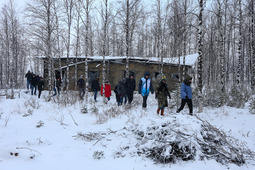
<point x="87" y="7"/>
<point x="127" y="36"/>
<point x="184" y="39"/>
<point x="252" y="48"/>
<point x="160" y="37"/>
<point x="69" y="13"/>
<point x="77" y="49"/>
<point x="105" y="27"/>
<point x="239" y="45"/>
<point x="200" y="57"/>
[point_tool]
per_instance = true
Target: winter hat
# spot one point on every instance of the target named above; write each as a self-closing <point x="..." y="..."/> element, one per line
<point x="187" y="77"/>
<point x="131" y="74"/>
<point x="163" y="77"/>
<point x="146" y="74"/>
<point x="106" y="81"/>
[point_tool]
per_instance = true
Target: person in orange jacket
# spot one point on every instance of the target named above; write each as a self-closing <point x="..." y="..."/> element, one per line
<point x="107" y="90"/>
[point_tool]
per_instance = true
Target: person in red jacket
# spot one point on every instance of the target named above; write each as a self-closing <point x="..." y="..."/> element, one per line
<point x="107" y="90"/>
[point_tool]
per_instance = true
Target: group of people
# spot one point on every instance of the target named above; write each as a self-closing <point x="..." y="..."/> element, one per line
<point x="34" y="82"/>
<point x="124" y="90"/>
<point x="162" y="93"/>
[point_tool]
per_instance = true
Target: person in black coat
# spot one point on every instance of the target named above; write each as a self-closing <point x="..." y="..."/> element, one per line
<point x="58" y="86"/>
<point x="130" y="87"/>
<point x="122" y="91"/>
<point x="95" y="87"/>
<point x="33" y="85"/>
<point x="81" y="85"/>
<point x="40" y="86"/>
<point x="29" y="78"/>
<point x="116" y="94"/>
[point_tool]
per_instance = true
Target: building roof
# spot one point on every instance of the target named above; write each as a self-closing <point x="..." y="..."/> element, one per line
<point x="190" y="60"/>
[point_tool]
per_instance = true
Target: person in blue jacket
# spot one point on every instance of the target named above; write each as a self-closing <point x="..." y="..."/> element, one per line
<point x="145" y="86"/>
<point x="186" y="95"/>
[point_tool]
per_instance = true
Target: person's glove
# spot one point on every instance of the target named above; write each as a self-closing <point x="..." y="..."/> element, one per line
<point x="156" y="96"/>
<point x="186" y="97"/>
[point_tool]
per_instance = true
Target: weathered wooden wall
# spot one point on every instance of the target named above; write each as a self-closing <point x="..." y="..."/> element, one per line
<point x="115" y="71"/>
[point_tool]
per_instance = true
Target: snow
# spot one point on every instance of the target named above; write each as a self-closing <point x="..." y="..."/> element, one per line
<point x="56" y="146"/>
<point x="189" y="59"/>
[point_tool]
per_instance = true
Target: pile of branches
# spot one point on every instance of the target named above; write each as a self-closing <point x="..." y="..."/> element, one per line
<point x="215" y="144"/>
<point x="164" y="144"/>
<point x="168" y="144"/>
<point x="174" y="141"/>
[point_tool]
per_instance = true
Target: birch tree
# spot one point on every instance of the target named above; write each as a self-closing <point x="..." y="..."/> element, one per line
<point x="41" y="22"/>
<point x="239" y="44"/>
<point x="77" y="45"/>
<point x="105" y="20"/>
<point x="200" y="57"/>
<point x="11" y="35"/>
<point x="159" y="35"/>
<point x="130" y="13"/>
<point x="58" y="36"/>
<point x="252" y="24"/>
<point x="84" y="8"/>
<point x="68" y="4"/>
<point x="185" y="6"/>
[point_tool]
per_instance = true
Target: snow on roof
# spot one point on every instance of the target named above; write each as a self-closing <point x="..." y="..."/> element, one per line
<point x="189" y="60"/>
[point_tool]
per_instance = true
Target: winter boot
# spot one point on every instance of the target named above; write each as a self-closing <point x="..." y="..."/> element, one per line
<point x="158" y="110"/>
<point x="162" y="112"/>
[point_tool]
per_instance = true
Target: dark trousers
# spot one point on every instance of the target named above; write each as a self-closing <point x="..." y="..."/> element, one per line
<point x="117" y="98"/>
<point x="81" y="92"/>
<point x="33" y="89"/>
<point x="40" y="92"/>
<point x="189" y="102"/>
<point x="55" y="91"/>
<point x="95" y="95"/>
<point x="122" y="98"/>
<point x="130" y="97"/>
<point x="145" y="101"/>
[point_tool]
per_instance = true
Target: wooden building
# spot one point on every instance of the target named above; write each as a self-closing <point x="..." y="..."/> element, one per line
<point x="116" y="69"/>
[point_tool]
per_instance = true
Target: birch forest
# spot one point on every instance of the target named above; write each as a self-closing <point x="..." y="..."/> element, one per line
<point x="220" y="31"/>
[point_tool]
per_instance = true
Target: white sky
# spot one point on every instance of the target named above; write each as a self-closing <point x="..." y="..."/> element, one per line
<point x="20" y="3"/>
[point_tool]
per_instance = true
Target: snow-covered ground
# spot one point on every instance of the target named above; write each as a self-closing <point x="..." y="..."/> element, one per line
<point x="49" y="136"/>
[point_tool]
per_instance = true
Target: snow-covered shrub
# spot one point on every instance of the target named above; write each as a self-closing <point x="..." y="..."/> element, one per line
<point x="94" y="109"/>
<point x="175" y="100"/>
<point x="212" y="96"/>
<point x="98" y="155"/>
<point x="110" y="113"/>
<point x="252" y="105"/>
<point x="33" y="103"/>
<point x="236" y="97"/>
<point x="84" y="110"/>
<point x="29" y="113"/>
<point x="40" y="124"/>
<point x="68" y="98"/>
<point x="89" y="137"/>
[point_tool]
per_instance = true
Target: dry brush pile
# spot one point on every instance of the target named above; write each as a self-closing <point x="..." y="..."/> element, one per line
<point x="174" y="141"/>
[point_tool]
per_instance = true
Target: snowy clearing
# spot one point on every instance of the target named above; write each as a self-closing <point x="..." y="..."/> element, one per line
<point x="40" y="135"/>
